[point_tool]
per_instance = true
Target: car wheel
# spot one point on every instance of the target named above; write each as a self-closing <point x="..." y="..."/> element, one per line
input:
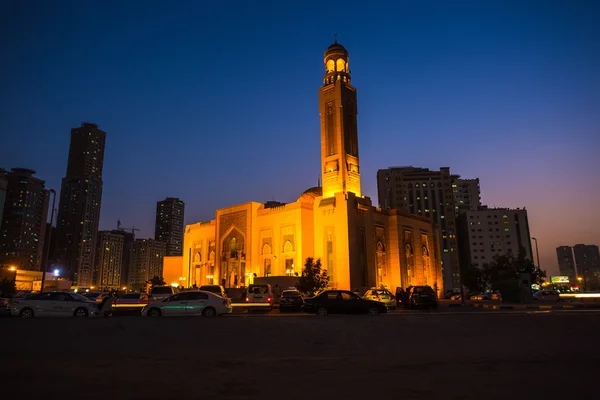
<point x="209" y="312"/>
<point x="373" y="311"/>
<point x="154" y="312"/>
<point x="80" y="312"/>
<point x="322" y="311"/>
<point x="26" y="313"/>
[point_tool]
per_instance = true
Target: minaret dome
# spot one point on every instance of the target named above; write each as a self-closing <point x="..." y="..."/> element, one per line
<point x="336" y="64"/>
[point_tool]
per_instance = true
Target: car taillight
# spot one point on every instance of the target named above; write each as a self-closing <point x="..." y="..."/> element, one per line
<point x="268" y="299"/>
<point x="247" y="298"/>
<point x="226" y="302"/>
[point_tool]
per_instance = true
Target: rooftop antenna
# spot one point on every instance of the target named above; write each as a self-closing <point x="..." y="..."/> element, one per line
<point x="335" y="37"/>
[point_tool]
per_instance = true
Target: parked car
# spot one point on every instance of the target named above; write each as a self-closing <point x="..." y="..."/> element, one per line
<point x="422" y="297"/>
<point x="95" y="296"/>
<point x="260" y="296"/>
<point x="382" y="295"/>
<point x="547" y="295"/>
<point x="193" y="302"/>
<point x="291" y="300"/>
<point x="161" y="292"/>
<point x="217" y="289"/>
<point x="55" y="304"/>
<point x="342" y="302"/>
<point x="133" y="301"/>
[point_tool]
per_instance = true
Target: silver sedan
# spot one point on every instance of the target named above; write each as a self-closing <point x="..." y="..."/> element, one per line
<point x="53" y="304"/>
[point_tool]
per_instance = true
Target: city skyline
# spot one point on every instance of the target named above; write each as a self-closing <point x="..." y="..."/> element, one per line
<point x="505" y="94"/>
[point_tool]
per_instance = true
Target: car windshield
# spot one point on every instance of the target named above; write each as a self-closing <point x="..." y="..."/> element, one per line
<point x="291" y="293"/>
<point x="380" y="292"/>
<point x="78" y="297"/>
<point x="258" y="289"/>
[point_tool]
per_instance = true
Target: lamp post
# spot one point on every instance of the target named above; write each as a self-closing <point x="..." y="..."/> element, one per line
<point x="48" y="239"/>
<point x="537" y="253"/>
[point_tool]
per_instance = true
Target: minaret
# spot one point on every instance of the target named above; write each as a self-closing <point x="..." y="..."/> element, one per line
<point x="339" y="134"/>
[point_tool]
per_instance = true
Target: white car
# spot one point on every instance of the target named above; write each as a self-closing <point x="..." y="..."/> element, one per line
<point x="195" y="302"/>
<point x="53" y="304"/>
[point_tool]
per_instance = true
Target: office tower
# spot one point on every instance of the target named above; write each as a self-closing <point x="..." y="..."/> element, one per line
<point x="566" y="263"/>
<point x="24" y="220"/>
<point x="109" y="260"/>
<point x="430" y="194"/>
<point x="490" y="232"/>
<point x="146" y="262"/>
<point x="79" y="207"/>
<point x="587" y="263"/>
<point x="467" y="194"/>
<point x="169" y="225"/>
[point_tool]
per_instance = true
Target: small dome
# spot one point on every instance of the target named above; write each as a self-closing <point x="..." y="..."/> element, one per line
<point x="309" y="195"/>
<point x="336" y="48"/>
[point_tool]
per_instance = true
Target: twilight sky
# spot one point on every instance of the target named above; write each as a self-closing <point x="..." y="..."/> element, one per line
<point x="216" y="103"/>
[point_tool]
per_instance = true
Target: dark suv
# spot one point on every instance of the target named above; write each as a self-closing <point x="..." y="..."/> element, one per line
<point x="421" y="297"/>
<point x="216" y="289"/>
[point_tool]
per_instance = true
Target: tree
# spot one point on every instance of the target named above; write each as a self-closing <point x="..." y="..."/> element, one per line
<point x="8" y="287"/>
<point x="8" y="283"/>
<point x="157" y="281"/>
<point x="473" y="279"/>
<point x="508" y="267"/>
<point x="312" y="278"/>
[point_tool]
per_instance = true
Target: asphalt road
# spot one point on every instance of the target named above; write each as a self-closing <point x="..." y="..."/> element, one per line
<point x="451" y="355"/>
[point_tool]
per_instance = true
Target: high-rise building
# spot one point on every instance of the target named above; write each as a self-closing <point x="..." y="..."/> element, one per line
<point x="79" y="207"/>
<point x="3" y="188"/>
<point x="128" y="240"/>
<point x="109" y="259"/>
<point x="24" y="220"/>
<point x="566" y="263"/>
<point x="146" y="262"/>
<point x="430" y="194"/>
<point x="467" y="194"/>
<point x="490" y="232"/>
<point x="169" y="225"/>
<point x="587" y="262"/>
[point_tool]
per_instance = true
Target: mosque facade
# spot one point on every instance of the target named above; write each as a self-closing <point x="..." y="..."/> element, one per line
<point x="360" y="246"/>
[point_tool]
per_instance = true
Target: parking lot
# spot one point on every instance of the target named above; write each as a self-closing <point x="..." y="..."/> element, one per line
<point x="450" y="354"/>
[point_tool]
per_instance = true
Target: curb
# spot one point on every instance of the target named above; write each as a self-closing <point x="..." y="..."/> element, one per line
<point x="537" y="307"/>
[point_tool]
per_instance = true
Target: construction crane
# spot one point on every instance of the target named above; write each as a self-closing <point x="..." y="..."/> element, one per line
<point x="132" y="229"/>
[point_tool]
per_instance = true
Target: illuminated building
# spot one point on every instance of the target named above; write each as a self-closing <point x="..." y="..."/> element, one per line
<point x="467" y="194"/>
<point x="359" y="245"/>
<point x="169" y="224"/>
<point x="79" y="207"/>
<point x="566" y="263"/>
<point x="490" y="232"/>
<point x="587" y="262"/>
<point x="146" y="262"/>
<point x="109" y="259"/>
<point x="24" y="220"/>
<point x="421" y="191"/>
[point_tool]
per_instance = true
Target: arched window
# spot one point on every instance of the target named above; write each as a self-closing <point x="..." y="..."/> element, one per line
<point x="340" y="65"/>
<point x="288" y="247"/>
<point x="330" y="65"/>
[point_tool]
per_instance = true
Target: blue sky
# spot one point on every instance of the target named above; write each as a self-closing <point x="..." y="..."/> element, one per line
<point x="216" y="103"/>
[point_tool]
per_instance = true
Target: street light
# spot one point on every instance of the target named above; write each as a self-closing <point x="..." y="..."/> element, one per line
<point x="537" y="253"/>
<point x="56" y="272"/>
<point x="580" y="285"/>
<point x="48" y="239"/>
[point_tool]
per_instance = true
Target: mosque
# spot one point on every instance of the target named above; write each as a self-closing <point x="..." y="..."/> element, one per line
<point x="360" y="246"/>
